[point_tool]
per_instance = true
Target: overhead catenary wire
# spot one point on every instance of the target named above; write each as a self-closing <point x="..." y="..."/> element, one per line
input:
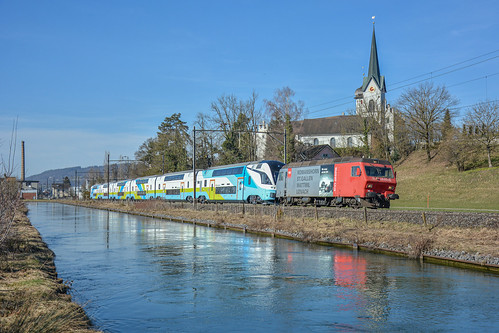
<point x="445" y="73"/>
<point x="419" y="81"/>
<point x="446" y="67"/>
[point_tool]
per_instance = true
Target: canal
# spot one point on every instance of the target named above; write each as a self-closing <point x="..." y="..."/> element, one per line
<point x="134" y="274"/>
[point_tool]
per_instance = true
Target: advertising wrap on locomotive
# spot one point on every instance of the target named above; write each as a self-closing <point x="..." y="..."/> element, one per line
<point x="347" y="181"/>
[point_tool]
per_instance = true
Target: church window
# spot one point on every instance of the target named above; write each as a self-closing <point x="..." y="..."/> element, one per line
<point x="316" y="142"/>
<point x="332" y="142"/>
<point x="349" y="142"/>
<point x="371" y="106"/>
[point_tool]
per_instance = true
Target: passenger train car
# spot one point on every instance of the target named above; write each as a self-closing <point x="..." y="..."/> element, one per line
<point x="348" y="181"/>
<point x="253" y="182"/>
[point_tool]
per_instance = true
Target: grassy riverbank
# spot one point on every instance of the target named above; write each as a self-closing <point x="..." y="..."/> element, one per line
<point x="479" y="245"/>
<point x="32" y="298"/>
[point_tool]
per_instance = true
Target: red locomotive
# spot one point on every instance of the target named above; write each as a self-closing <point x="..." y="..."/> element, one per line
<point x="347" y="181"/>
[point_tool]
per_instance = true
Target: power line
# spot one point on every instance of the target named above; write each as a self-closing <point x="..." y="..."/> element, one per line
<point x="331" y="107"/>
<point x="336" y="100"/>
<point x="453" y="85"/>
<point x="476" y="79"/>
<point x="441" y="69"/>
<point x="445" y="73"/>
<point x="421" y="75"/>
<point x="467" y="106"/>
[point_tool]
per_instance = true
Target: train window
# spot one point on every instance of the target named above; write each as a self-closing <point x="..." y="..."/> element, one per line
<point x="356" y="171"/>
<point x="265" y="179"/>
<point x="373" y="171"/>
<point x="281" y="175"/>
<point x="227" y="172"/>
<point x="205" y="183"/>
<point x="249" y="180"/>
<point x="226" y="190"/>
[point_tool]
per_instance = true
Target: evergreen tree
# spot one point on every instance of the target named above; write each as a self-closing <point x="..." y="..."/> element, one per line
<point x="167" y="152"/>
<point x="446" y="125"/>
<point x="235" y="147"/>
<point x="290" y="141"/>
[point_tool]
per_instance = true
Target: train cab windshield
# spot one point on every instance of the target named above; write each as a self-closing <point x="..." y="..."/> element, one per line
<point x="275" y="167"/>
<point x="379" y="172"/>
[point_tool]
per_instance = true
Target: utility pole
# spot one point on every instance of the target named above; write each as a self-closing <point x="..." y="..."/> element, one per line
<point x="75" y="184"/>
<point x="285" y="143"/>
<point x="108" y="175"/>
<point x="194" y="165"/>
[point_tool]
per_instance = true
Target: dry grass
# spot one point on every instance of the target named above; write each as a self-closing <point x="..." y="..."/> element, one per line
<point x="409" y="238"/>
<point x="446" y="187"/>
<point x="32" y="298"/>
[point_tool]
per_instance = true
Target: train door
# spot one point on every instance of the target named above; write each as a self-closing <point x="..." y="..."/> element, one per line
<point x="182" y="194"/>
<point x="240" y="189"/>
<point x="211" y="191"/>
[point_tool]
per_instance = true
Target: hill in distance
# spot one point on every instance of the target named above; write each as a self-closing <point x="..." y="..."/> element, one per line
<point x="57" y="175"/>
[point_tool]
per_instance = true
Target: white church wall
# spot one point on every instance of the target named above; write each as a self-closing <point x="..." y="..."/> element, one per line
<point x="340" y="141"/>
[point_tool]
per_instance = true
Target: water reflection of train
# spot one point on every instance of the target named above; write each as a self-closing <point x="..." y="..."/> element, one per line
<point x="347" y="181"/>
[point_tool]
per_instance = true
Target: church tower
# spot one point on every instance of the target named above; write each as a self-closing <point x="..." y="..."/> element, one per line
<point x="370" y="97"/>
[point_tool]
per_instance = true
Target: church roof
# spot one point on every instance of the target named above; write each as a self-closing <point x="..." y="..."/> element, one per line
<point x="318" y="152"/>
<point x="327" y="126"/>
<point x="374" y="72"/>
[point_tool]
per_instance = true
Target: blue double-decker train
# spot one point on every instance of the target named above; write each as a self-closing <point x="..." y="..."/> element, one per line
<point x="252" y="182"/>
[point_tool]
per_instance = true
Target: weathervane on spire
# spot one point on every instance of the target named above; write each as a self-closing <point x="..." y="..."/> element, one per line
<point x="373" y="19"/>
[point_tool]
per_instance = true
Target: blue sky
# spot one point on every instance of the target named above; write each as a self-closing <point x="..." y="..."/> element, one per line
<point x="85" y="77"/>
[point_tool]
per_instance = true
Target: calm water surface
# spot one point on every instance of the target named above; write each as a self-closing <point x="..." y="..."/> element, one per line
<point x="136" y="274"/>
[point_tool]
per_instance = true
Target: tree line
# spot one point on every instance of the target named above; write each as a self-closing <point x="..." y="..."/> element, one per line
<point x="228" y="134"/>
<point x="424" y="119"/>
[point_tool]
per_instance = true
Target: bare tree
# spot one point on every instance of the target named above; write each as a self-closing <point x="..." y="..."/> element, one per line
<point x="282" y="111"/>
<point x="206" y="142"/>
<point x="483" y="120"/>
<point x="238" y="120"/>
<point x="423" y="109"/>
<point x="226" y="110"/>
<point x="9" y="188"/>
<point x="373" y="124"/>
<point x="8" y="164"/>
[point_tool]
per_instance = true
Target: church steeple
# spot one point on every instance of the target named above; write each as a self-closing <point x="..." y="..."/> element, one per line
<point x="374" y="72"/>
<point x="373" y="61"/>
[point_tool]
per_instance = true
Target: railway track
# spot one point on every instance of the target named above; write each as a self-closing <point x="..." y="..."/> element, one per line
<point x="430" y="218"/>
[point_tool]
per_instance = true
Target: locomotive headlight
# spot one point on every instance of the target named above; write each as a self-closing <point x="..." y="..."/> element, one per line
<point x="369" y="186"/>
<point x="391" y="188"/>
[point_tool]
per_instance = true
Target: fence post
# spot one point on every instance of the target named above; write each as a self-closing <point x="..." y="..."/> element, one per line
<point x="365" y="214"/>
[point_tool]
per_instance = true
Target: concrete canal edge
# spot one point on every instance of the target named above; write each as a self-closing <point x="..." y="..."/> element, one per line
<point x="484" y="267"/>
